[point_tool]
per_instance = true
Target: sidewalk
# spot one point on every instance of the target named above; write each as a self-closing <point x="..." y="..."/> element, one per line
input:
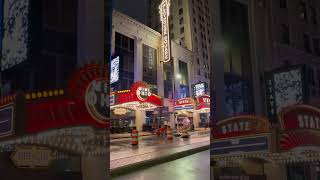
<point x="128" y="135"/>
<point x="130" y="158"/>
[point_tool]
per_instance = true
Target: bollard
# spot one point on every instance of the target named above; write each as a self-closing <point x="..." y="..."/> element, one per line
<point x="169" y="133"/>
<point x="134" y="137"/>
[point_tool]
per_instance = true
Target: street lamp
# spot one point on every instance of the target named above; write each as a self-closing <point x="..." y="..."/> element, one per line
<point x="178" y="76"/>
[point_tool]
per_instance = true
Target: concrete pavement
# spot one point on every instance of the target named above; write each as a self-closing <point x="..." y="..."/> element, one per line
<point x="193" y="167"/>
<point x="153" y="150"/>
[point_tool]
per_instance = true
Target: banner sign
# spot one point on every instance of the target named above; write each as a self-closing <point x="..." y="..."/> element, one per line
<point x="285" y="87"/>
<point x="6" y="121"/>
<point x="164" y="17"/>
<point x="240" y="145"/>
<point x="200" y="89"/>
<point x="240" y="126"/>
<point x="114" y="73"/>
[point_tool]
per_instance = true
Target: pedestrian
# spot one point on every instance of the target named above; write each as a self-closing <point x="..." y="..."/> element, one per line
<point x="162" y="131"/>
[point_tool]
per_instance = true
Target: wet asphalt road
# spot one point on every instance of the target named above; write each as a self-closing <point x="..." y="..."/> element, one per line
<point x="194" y="167"/>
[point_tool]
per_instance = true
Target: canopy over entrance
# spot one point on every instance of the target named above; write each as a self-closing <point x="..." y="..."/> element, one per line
<point x="139" y="97"/>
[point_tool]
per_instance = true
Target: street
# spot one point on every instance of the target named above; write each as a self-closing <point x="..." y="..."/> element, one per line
<point x="194" y="167"/>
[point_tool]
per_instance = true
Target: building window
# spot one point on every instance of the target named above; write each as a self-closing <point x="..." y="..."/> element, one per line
<point x="171" y="26"/>
<point x="306" y="42"/>
<point x="181" y="20"/>
<point x="171" y="36"/>
<point x="283" y="4"/>
<point x="311" y="77"/>
<point x="180" y="11"/>
<point x="313" y="13"/>
<point x="198" y="61"/>
<point x="199" y="72"/>
<point x="149" y="64"/>
<point x="316" y="46"/>
<point x="181" y="30"/>
<point x="183" y="40"/>
<point x="124" y="46"/>
<point x="303" y="11"/>
<point x="180" y="2"/>
<point x="285" y="34"/>
<point x="183" y="70"/>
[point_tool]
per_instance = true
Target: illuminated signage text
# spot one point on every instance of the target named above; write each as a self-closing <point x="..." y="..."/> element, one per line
<point x="164" y="17"/>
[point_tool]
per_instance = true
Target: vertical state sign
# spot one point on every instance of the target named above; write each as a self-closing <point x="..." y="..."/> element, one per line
<point x="164" y="17"/>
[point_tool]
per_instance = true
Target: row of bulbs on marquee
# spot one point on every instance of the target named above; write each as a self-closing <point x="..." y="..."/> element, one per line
<point x="76" y="140"/>
<point x="289" y="157"/>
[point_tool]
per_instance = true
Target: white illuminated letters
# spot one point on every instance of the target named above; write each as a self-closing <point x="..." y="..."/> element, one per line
<point x="236" y="127"/>
<point x="164" y="17"/>
<point x="308" y="121"/>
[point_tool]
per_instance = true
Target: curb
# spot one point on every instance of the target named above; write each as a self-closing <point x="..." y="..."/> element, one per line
<point x="127" y="137"/>
<point x="156" y="161"/>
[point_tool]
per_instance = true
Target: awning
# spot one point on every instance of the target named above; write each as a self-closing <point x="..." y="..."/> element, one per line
<point x="139" y="97"/>
<point x="203" y="103"/>
<point x="186" y="104"/>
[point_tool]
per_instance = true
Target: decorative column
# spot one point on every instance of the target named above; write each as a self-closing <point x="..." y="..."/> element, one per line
<point x="140" y="119"/>
<point x="196" y="119"/>
<point x="138" y="60"/>
<point x="138" y="76"/>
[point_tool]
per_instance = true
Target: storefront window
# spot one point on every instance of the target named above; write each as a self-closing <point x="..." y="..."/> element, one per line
<point x="124" y="47"/>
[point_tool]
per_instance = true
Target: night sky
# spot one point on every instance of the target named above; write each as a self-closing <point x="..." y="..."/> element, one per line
<point x="136" y="9"/>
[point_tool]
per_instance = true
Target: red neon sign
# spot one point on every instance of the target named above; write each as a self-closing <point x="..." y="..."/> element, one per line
<point x="240" y="126"/>
<point x="300" y="117"/>
<point x="72" y="109"/>
<point x="184" y="102"/>
<point x="203" y="102"/>
<point x="140" y="93"/>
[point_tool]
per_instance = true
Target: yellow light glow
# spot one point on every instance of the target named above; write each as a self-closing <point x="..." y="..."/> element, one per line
<point x="33" y="95"/>
<point x="61" y="92"/>
<point x="50" y="93"/>
<point x="45" y="94"/>
<point x="56" y="92"/>
<point x="39" y="94"/>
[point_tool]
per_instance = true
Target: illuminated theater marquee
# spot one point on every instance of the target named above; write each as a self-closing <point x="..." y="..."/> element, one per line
<point x="164" y="17"/>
